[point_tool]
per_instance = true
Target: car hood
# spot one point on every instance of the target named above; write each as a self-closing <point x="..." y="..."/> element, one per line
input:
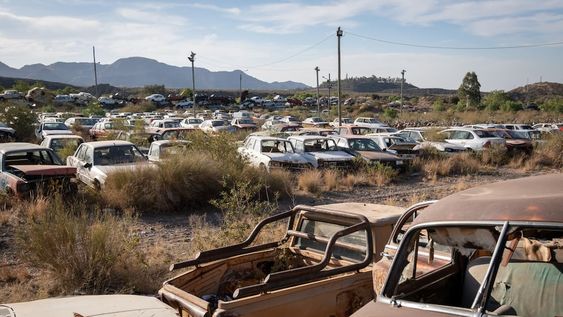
<point x="331" y="155"/>
<point x="380" y="156"/>
<point x="286" y="157"/>
<point x="100" y="305"/>
<point x="46" y="170"/>
<point x="54" y="132"/>
<point x="444" y="145"/>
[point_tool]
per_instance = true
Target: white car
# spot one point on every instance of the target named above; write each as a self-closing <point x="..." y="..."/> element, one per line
<point x="91" y="305"/>
<point x="345" y="121"/>
<point x="270" y="124"/>
<point x="472" y="139"/>
<point x="59" y="142"/>
<point x="368" y="122"/>
<point x="82" y="122"/>
<point x="95" y="160"/>
<point x="191" y="122"/>
<point x="548" y="127"/>
<point x="82" y="96"/>
<point x="517" y="126"/>
<point x="157" y="125"/>
<point x="321" y="152"/>
<point x="269" y="153"/>
<point x="315" y="122"/>
<point x="216" y="126"/>
<point x="405" y="149"/>
<point x="51" y="128"/>
<point x="10" y="94"/>
<point x="290" y="120"/>
<point x="184" y="104"/>
<point x="156" y="98"/>
<point x="6" y="133"/>
<point x="163" y="149"/>
<point x="107" y="101"/>
<point x="418" y="135"/>
<point x="61" y="99"/>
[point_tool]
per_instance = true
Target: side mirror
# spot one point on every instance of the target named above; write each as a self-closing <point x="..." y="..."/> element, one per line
<point x="87" y="165"/>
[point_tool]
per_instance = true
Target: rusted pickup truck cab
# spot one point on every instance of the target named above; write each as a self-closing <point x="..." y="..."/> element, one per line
<point x="321" y="267"/>
<point x="493" y="250"/>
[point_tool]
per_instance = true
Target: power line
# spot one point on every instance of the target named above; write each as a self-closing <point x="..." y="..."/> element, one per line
<point x="455" y="47"/>
<point x="293" y="55"/>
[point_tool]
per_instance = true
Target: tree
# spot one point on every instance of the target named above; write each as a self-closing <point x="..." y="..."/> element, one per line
<point x="470" y="91"/>
<point x="21" y="118"/>
<point x="553" y="105"/>
<point x="439" y="105"/>
<point x="21" y="86"/>
<point x="495" y="99"/>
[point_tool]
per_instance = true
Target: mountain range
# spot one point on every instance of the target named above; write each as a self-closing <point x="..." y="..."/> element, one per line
<point x="139" y="72"/>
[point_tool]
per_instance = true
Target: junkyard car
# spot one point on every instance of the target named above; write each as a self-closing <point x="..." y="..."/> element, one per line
<point x="6" y="133"/>
<point x="95" y="160"/>
<point x="97" y="305"/>
<point x="191" y="122"/>
<point x="51" y="128"/>
<point x="322" y="152"/>
<point x="62" y="143"/>
<point x="268" y="153"/>
<point x="472" y="139"/>
<point x="216" y="126"/>
<point x="320" y="267"/>
<point x="492" y="250"/>
<point x="243" y="124"/>
<point x="419" y="136"/>
<point x="395" y="144"/>
<point x="163" y="149"/>
<point x="28" y="168"/>
<point x="316" y="122"/>
<point x="367" y="149"/>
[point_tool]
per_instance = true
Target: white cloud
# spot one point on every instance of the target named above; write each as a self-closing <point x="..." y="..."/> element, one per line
<point x="211" y="7"/>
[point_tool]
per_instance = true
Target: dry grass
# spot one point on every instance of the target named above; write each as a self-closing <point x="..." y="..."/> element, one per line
<point x="85" y="251"/>
<point x="330" y="178"/>
<point x="311" y="182"/>
<point x="382" y="174"/>
<point x="455" y="165"/>
<point x="496" y="155"/>
<point x="547" y="154"/>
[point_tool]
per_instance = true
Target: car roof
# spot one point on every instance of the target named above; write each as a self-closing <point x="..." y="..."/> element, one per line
<point x="266" y="137"/>
<point x="535" y="198"/>
<point x="163" y="142"/>
<point x="98" y="144"/>
<point x="308" y="137"/>
<point x="349" y="137"/>
<point x="63" y="136"/>
<point x="19" y="146"/>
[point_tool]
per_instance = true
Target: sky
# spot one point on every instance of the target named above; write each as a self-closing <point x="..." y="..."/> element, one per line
<point x="280" y="40"/>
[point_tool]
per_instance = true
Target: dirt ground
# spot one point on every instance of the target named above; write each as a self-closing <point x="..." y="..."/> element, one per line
<point x="173" y="233"/>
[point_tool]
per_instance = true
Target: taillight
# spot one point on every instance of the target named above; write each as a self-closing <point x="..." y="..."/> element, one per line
<point x="487" y="144"/>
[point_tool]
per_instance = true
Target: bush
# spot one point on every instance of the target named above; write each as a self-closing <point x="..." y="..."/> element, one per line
<point x="330" y="178"/>
<point x="495" y="155"/>
<point x="85" y="251"/>
<point x="382" y="174"/>
<point x="310" y="181"/>
<point x="21" y="119"/>
<point x="547" y="154"/>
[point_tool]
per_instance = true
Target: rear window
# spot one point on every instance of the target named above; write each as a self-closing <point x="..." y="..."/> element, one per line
<point x="326" y="230"/>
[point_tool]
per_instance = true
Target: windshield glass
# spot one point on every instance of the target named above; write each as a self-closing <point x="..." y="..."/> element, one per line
<point x="54" y="126"/>
<point x="518" y="134"/>
<point x="171" y="149"/>
<point x="59" y="144"/>
<point x="194" y="121"/>
<point x="217" y="123"/>
<point x="327" y="230"/>
<point x="276" y="146"/>
<point x="174" y="135"/>
<point x="484" y="134"/>
<point x="364" y="145"/>
<point x="319" y="145"/>
<point x="171" y="124"/>
<point x="86" y="121"/>
<point x="245" y="121"/>
<point x="119" y="154"/>
<point x="31" y="157"/>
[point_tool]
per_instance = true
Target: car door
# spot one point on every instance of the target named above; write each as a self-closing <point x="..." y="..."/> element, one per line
<point x="455" y="137"/>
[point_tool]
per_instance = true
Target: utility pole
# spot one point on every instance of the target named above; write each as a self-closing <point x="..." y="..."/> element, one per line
<point x="339" y="35"/>
<point x="318" y="101"/>
<point x="191" y="58"/>
<point x="402" y="82"/>
<point x="329" y="85"/>
<point x="95" y="72"/>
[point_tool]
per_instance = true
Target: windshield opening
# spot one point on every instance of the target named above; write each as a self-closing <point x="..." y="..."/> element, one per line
<point x="276" y="146"/>
<point x="119" y="154"/>
<point x="320" y="145"/>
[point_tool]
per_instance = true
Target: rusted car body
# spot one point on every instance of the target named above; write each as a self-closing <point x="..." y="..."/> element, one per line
<point x="493" y="250"/>
<point x="321" y="267"/>
<point x="28" y="168"/>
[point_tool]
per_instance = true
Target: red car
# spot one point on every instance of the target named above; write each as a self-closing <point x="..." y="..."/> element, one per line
<point x="28" y="168"/>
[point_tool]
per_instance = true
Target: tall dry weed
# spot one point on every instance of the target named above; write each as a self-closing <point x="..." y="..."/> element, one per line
<point x="310" y="181"/>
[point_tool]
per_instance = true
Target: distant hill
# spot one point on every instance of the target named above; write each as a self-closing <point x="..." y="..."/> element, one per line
<point x="139" y="72"/>
<point x="8" y="82"/>
<point x="537" y="92"/>
<point x="371" y="84"/>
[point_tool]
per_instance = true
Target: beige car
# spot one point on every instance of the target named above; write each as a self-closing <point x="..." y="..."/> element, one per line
<point x="492" y="250"/>
<point x="321" y="267"/>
